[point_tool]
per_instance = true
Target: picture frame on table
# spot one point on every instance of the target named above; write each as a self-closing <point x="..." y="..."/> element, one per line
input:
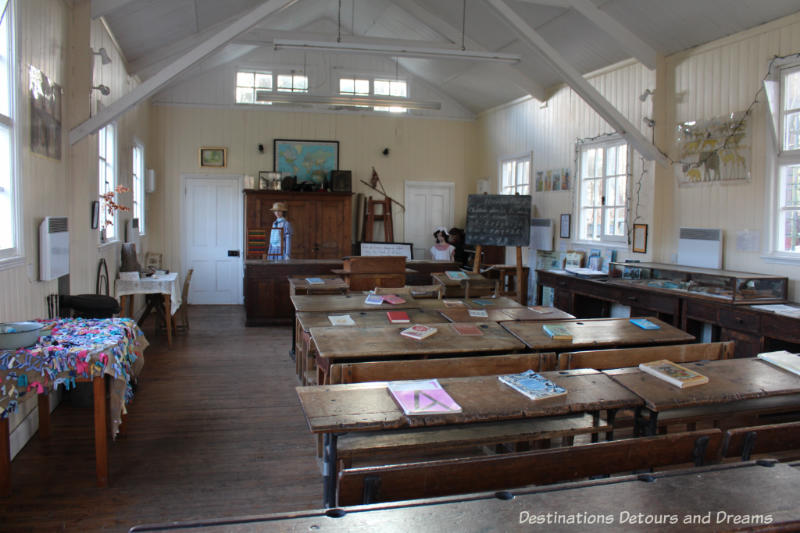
<point x="309" y="161"/>
<point x="565" y="227"/>
<point x="639" y="244"/>
<point x="214" y="157"/>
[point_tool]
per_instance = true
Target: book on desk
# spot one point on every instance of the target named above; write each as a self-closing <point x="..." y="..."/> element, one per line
<point x="673" y="373"/>
<point x="422" y="397"/>
<point x="418" y="332"/>
<point x="557" y="332"/>
<point x="782" y="359"/>
<point x="533" y="385"/>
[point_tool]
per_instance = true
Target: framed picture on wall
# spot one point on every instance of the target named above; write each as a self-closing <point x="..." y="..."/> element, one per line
<point x="640" y="238"/>
<point x="564" y="228"/>
<point x="212" y="156"/>
<point x="95" y="214"/>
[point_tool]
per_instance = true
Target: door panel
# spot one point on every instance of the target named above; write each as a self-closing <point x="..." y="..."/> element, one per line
<point x="213" y="228"/>
<point x="428" y="205"/>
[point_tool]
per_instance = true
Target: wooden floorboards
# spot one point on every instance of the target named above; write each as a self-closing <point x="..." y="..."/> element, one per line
<point x="215" y="430"/>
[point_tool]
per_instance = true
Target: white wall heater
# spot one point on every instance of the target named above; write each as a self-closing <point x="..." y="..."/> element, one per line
<point x="700" y="247"/>
<point x="53" y="248"/>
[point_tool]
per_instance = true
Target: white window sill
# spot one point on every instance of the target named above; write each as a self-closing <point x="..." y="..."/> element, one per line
<point x="12" y="262"/>
<point x="779" y="258"/>
<point x="107" y="244"/>
<point x="600" y="244"/>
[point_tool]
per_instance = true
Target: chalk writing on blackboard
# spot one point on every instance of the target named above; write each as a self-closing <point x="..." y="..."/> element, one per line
<point x="498" y="219"/>
<point x="387" y="248"/>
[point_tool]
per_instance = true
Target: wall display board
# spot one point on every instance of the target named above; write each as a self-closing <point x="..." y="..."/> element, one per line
<point x="387" y="248"/>
<point x="498" y="219"/>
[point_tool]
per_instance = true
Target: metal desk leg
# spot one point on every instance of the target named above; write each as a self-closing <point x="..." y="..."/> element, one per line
<point x="329" y="460"/>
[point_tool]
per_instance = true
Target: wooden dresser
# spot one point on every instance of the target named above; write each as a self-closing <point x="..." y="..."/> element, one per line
<point x="321" y="221"/>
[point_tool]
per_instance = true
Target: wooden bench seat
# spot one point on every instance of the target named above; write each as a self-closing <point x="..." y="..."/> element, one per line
<point x="446" y="367"/>
<point x="421" y="441"/>
<point x="769" y="439"/>
<point x="507" y="471"/>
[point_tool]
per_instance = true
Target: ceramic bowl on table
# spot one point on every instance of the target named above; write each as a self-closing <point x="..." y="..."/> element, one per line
<point x="15" y="335"/>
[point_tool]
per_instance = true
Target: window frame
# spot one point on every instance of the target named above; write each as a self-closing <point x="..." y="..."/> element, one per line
<point x="516" y="160"/>
<point x="13" y="255"/>
<point x="138" y="201"/>
<point x="254" y="88"/>
<point x="104" y="186"/>
<point x="390" y="109"/>
<point x="605" y="144"/>
<point x="784" y="160"/>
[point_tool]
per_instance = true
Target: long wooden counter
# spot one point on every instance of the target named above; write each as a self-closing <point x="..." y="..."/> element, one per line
<point x="754" y="330"/>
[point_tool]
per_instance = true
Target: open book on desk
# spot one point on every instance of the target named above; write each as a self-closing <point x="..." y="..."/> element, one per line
<point x="533" y="385"/>
<point x="782" y="359"/>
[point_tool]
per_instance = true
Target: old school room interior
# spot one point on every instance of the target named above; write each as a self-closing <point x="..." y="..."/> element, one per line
<point x="642" y="157"/>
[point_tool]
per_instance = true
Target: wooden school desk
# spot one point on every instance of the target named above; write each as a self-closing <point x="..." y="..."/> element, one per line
<point x="733" y="384"/>
<point x="453" y="287"/>
<point x="305" y="352"/>
<point x="596" y="333"/>
<point x="336" y="409"/>
<point x="329" y="285"/>
<point x="501" y="314"/>
<point x="347" y="345"/>
<point x="723" y="492"/>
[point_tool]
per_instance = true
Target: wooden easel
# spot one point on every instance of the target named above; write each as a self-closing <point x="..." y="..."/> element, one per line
<point x="476" y="269"/>
<point x="370" y="217"/>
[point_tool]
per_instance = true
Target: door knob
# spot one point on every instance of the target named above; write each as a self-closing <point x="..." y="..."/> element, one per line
<point x="233" y="253"/>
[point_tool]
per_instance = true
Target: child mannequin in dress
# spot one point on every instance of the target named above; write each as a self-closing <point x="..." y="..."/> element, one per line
<point x="442" y="250"/>
<point x="280" y="236"/>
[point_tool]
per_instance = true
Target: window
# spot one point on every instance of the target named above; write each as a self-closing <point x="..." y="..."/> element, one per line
<point x="137" y="173"/>
<point x="248" y="83"/>
<point x="353" y="87"/>
<point x="10" y="244"/>
<point x="515" y="175"/>
<point x="107" y="178"/>
<point x="603" y="186"/>
<point x="398" y="88"/>
<point x="292" y="83"/>
<point x="788" y="219"/>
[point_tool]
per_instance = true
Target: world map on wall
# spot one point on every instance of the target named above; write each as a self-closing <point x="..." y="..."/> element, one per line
<point x="308" y="161"/>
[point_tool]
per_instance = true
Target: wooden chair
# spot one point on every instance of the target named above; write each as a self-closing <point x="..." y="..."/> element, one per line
<point x="746" y="441"/>
<point x="447" y="367"/>
<point x="474" y="288"/>
<point x="505" y="471"/>
<point x="183" y="310"/>
<point x="625" y="357"/>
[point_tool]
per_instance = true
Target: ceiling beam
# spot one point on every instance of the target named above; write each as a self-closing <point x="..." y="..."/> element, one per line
<point x="578" y="83"/>
<point x="629" y="41"/>
<point x="151" y="85"/>
<point x="521" y="77"/>
<point x="101" y="8"/>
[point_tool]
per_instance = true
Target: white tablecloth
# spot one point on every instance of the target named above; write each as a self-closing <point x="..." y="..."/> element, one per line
<point x="164" y="284"/>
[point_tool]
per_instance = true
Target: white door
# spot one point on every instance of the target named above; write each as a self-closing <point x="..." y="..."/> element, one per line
<point x="428" y="204"/>
<point x="213" y="237"/>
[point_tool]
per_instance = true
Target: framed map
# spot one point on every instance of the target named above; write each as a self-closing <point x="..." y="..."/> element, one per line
<point x="308" y="160"/>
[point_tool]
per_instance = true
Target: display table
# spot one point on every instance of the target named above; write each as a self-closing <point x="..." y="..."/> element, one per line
<point x="68" y="351"/>
<point x="166" y="284"/>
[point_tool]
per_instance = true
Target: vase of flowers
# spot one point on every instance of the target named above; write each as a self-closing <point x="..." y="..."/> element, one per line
<point x="109" y="203"/>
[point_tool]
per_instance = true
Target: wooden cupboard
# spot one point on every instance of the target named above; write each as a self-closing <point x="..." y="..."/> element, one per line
<point x="321" y="221"/>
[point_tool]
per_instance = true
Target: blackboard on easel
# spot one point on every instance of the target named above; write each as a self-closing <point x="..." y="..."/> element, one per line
<point x="498" y="219"/>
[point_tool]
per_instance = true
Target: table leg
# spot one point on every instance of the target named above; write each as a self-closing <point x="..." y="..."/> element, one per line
<point x="100" y="431"/>
<point x="168" y="319"/>
<point x="652" y="424"/>
<point x="44" y="415"/>
<point x="5" y="459"/>
<point x="595" y="423"/>
<point x="329" y="470"/>
<point x="611" y="415"/>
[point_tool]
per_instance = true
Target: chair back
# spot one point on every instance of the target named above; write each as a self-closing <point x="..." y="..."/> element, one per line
<point x="626" y="357"/>
<point x="185" y="290"/>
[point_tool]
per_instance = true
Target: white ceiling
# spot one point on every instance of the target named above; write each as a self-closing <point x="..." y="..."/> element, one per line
<point x="153" y="33"/>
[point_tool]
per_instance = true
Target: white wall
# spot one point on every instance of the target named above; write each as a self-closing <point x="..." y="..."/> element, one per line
<point x="420" y="150"/>
<point x="55" y="36"/>
<point x="711" y="81"/>
<point x="549" y="130"/>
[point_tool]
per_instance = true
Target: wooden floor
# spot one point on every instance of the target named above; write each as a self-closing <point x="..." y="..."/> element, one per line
<point x="215" y="430"/>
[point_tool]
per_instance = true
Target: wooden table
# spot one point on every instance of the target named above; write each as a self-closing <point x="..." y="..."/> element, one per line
<point x="729" y="380"/>
<point x="722" y="492"/>
<point x="453" y="287"/>
<point x="460" y="314"/>
<point x="329" y="285"/>
<point x="336" y="409"/>
<point x="501" y="302"/>
<point x="596" y="333"/>
<point x="305" y="351"/>
<point x="112" y="351"/>
<point x="347" y="345"/>
<point x="336" y="303"/>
